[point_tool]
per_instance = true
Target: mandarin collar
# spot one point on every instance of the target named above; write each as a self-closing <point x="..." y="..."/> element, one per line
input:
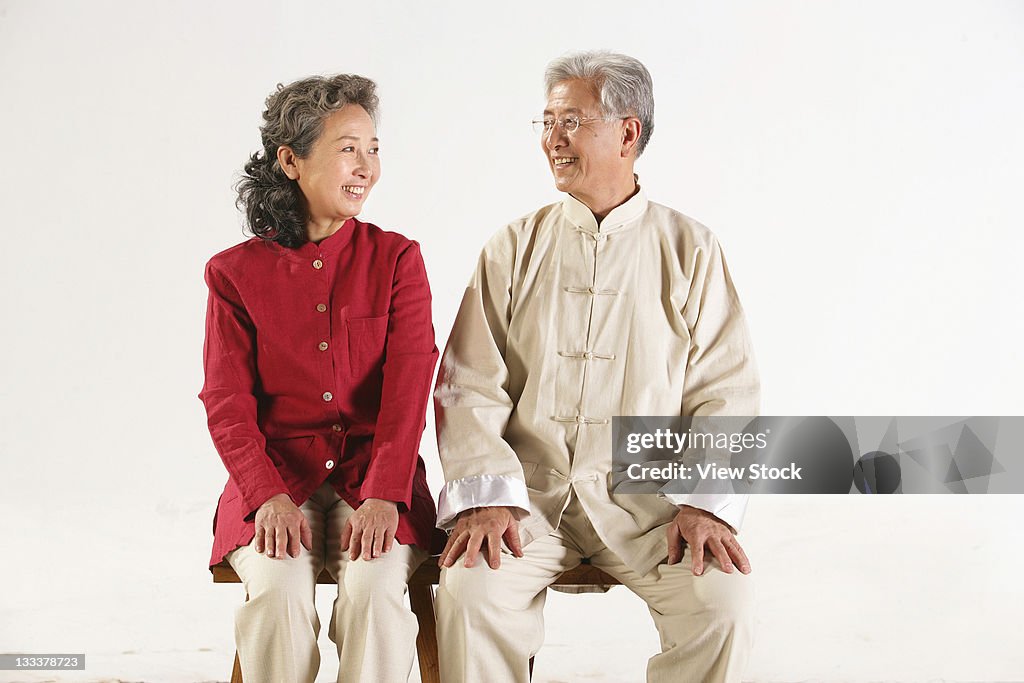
<point x="618" y="218"/>
<point x="328" y="246"/>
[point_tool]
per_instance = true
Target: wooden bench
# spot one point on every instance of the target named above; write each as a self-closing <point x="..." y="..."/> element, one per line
<point x="421" y="598"/>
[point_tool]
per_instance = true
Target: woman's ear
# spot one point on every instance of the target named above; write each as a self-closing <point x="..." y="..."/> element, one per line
<point x="287" y="160"/>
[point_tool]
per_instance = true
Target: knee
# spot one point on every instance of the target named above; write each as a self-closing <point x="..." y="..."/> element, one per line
<point x="462" y="586"/>
<point x="278" y="607"/>
<point x="287" y="581"/>
<point x="473" y="588"/>
<point x="280" y="592"/>
<point x="368" y="583"/>
<point x="727" y="599"/>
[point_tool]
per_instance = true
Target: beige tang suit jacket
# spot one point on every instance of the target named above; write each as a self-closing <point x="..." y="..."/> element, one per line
<point x="566" y="324"/>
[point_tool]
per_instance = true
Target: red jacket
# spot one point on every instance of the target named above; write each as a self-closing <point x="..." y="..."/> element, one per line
<point x="318" y="365"/>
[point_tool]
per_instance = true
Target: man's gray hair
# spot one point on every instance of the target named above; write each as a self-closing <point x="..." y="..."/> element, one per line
<point x="624" y="85"/>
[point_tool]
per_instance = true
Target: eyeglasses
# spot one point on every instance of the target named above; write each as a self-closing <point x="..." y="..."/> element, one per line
<point x="569" y="123"/>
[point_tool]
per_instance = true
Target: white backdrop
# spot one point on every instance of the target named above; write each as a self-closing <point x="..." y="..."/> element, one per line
<point x="860" y="162"/>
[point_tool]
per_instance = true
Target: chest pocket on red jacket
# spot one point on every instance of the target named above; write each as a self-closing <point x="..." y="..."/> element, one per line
<point x="366" y="338"/>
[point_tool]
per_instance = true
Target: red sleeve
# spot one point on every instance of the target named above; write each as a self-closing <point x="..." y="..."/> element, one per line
<point x="410" y="356"/>
<point x="229" y="394"/>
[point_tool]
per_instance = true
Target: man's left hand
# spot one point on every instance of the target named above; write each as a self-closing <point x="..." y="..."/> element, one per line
<point x="702" y="530"/>
<point x="371" y="529"/>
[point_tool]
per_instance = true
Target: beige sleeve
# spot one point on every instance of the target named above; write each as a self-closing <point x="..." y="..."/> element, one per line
<point x="721" y="373"/>
<point x="471" y="400"/>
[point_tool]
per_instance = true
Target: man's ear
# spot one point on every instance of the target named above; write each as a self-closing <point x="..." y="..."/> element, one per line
<point x="287" y="160"/>
<point x="630" y="135"/>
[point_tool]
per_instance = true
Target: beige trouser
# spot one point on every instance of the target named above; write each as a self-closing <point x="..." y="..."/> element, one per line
<point x="277" y="627"/>
<point x="490" y="622"/>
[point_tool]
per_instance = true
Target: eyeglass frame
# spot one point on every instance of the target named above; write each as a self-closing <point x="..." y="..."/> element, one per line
<point x="561" y="123"/>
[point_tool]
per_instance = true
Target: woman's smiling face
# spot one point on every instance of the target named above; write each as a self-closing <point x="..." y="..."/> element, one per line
<point x="336" y="176"/>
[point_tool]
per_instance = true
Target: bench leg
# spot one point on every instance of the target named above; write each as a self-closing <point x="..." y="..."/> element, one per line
<point x="236" y="671"/>
<point x="421" y="598"/>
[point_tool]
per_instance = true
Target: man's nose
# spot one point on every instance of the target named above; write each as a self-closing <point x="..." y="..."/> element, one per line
<point x="555" y="138"/>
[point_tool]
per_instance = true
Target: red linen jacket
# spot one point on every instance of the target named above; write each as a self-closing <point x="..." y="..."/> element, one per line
<point x="318" y="366"/>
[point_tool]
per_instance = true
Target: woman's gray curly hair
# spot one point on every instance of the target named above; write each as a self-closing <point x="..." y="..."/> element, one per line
<point x="294" y="117"/>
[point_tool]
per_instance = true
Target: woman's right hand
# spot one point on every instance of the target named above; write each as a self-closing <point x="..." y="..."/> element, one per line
<point x="280" y="527"/>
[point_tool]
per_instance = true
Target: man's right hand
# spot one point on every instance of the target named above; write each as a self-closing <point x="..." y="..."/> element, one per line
<point x="280" y="527"/>
<point x="479" y="526"/>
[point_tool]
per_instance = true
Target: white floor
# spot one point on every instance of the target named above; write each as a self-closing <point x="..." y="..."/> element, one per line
<point x="908" y="588"/>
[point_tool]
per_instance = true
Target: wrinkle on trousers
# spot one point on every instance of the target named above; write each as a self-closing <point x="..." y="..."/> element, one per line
<point x="490" y="622"/>
<point x="276" y="629"/>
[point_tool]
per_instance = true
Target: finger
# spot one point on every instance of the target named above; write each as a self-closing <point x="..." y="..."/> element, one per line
<point x="378" y="542"/>
<point x="511" y="537"/>
<point x="269" y="540"/>
<point x="697" y="556"/>
<point x="281" y="542"/>
<point x="675" y="543"/>
<point x="305" y="534"/>
<point x="494" y="549"/>
<point x="456" y="546"/>
<point x="367" y="541"/>
<point x="476" y="540"/>
<point x="355" y="545"/>
<point x="293" y="541"/>
<point x="260" y="534"/>
<point x="721" y="554"/>
<point x="346" y="534"/>
<point x="389" y="539"/>
<point x="444" y="553"/>
<point x="738" y="556"/>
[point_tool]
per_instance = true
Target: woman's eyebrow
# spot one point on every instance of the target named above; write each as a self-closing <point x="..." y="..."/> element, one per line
<point x="353" y="137"/>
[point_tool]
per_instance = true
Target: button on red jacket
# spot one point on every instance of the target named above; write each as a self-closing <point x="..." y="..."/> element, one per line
<point x="318" y="366"/>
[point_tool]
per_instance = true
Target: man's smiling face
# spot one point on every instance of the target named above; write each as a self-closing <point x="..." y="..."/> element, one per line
<point x="590" y="158"/>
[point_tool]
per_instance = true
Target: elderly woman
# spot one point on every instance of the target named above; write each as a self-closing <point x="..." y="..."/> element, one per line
<point x="319" y="355"/>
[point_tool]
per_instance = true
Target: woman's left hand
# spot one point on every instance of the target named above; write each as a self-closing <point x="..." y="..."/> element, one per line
<point x="371" y="529"/>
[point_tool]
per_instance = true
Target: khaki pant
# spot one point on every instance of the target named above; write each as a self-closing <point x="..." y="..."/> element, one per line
<point x="490" y="622"/>
<point x="276" y="628"/>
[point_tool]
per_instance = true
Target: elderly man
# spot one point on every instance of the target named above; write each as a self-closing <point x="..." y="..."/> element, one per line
<point x="602" y="304"/>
